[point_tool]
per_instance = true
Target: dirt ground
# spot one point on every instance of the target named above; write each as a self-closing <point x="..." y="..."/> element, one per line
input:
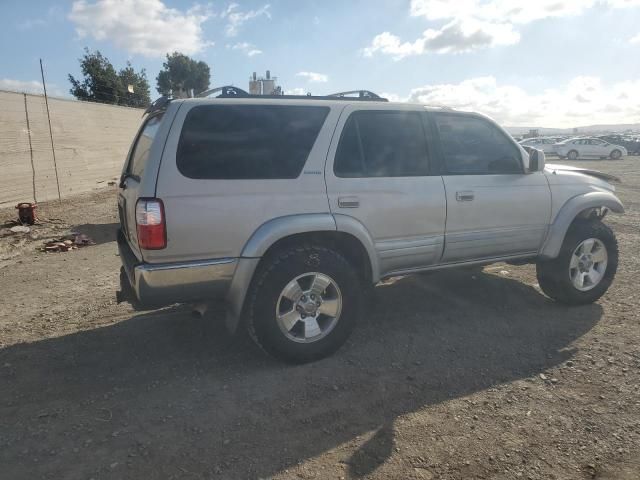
<point x="452" y="375"/>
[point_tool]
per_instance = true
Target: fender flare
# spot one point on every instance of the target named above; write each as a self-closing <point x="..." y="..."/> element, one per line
<point x="272" y="231"/>
<point x="567" y="214"/>
<point x="354" y="227"/>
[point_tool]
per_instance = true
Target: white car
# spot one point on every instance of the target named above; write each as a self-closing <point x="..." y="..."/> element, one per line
<point x="547" y="145"/>
<point x="589" y="147"/>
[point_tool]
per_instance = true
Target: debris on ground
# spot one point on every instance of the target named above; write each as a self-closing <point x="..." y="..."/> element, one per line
<point x="27" y="213"/>
<point x="66" y="243"/>
<point x="20" y="229"/>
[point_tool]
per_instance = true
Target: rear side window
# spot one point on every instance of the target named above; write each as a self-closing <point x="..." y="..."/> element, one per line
<point x="248" y="141"/>
<point x="140" y="153"/>
<point x="382" y="144"/>
<point x="474" y="146"/>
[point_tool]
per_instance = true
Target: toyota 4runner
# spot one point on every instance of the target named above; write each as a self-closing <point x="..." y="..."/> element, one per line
<point x="290" y="208"/>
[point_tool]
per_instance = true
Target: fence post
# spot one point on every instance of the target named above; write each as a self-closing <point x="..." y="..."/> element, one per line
<point x="53" y="150"/>
<point x="33" y="168"/>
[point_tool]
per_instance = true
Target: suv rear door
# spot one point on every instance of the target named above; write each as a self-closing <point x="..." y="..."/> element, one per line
<point x="132" y="176"/>
<point x="494" y="208"/>
<point x="379" y="173"/>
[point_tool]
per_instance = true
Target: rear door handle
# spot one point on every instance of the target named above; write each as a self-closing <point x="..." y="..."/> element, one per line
<point x="465" y="196"/>
<point x="348" y="202"/>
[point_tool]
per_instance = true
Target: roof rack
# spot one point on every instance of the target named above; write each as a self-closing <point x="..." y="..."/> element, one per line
<point x="229" y="91"/>
<point x="158" y="105"/>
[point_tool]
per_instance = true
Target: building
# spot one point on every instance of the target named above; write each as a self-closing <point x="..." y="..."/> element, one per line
<point x="264" y="85"/>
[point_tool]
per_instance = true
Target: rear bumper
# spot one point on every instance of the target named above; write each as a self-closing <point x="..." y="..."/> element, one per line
<point x="149" y="285"/>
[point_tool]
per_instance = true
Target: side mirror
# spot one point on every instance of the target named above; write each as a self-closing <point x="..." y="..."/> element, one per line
<point x="536" y="159"/>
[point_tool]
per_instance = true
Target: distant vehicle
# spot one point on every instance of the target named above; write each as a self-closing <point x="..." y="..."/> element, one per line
<point x="547" y="145"/>
<point x="632" y="144"/>
<point x="589" y="147"/>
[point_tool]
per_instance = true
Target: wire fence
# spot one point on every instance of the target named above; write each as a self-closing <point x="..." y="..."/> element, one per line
<point x="90" y="142"/>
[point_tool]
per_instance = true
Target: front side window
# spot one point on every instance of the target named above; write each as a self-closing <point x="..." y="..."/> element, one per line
<point x="140" y="153"/>
<point x="474" y="146"/>
<point x="382" y="143"/>
<point x="248" y="141"/>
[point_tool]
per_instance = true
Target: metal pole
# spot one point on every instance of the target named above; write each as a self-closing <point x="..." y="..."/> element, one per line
<point x="53" y="150"/>
<point x="33" y="168"/>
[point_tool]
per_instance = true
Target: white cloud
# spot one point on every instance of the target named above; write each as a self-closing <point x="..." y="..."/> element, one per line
<point x="237" y="18"/>
<point x="146" y="27"/>
<point x="635" y="39"/>
<point x="314" y="77"/>
<point x="583" y="101"/>
<point x="32" y="86"/>
<point x="296" y="91"/>
<point x="455" y="37"/>
<point x="474" y="24"/>
<point x="248" y="49"/>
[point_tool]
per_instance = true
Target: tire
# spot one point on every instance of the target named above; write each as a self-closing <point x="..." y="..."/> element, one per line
<point x="304" y="341"/>
<point x="615" y="154"/>
<point x="572" y="155"/>
<point x="555" y="276"/>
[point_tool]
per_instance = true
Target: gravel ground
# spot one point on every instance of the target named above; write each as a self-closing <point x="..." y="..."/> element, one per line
<point x="452" y="375"/>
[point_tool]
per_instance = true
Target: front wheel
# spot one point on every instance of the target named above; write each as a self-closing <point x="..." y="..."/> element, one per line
<point x="304" y="303"/>
<point x="572" y="155"/>
<point x="585" y="267"/>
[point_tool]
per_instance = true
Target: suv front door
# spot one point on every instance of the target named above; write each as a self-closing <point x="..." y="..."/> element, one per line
<point x="380" y="175"/>
<point x="494" y="208"/>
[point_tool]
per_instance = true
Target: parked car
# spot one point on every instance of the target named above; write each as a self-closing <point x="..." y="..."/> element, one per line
<point x="289" y="209"/>
<point x="632" y="144"/>
<point x="547" y="145"/>
<point x="589" y="147"/>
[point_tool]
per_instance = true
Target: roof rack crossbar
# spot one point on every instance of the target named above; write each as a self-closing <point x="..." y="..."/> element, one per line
<point x="369" y="95"/>
<point x="225" y="92"/>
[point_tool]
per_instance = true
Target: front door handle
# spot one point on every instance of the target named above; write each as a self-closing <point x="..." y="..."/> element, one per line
<point x="348" y="202"/>
<point x="465" y="196"/>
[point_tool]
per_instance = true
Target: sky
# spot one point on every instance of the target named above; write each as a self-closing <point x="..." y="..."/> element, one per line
<point x="550" y="63"/>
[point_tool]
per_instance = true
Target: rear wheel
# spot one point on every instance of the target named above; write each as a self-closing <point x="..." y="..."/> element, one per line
<point x="304" y="304"/>
<point x="615" y="155"/>
<point x="572" y="155"/>
<point x="585" y="267"/>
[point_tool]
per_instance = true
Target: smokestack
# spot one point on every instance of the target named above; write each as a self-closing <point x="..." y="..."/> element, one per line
<point x="254" y="76"/>
<point x="268" y="74"/>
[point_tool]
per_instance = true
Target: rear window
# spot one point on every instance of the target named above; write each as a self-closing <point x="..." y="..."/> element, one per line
<point x="248" y="141"/>
<point x="384" y="143"/>
<point x="140" y="153"/>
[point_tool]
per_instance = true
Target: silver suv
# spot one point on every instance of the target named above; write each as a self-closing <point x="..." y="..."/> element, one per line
<point x="291" y="208"/>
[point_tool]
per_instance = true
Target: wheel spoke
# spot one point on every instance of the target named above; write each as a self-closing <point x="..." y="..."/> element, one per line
<point x="575" y="260"/>
<point x="289" y="319"/>
<point x="311" y="327"/>
<point x="579" y="279"/>
<point x="319" y="284"/>
<point x="329" y="307"/>
<point x="600" y="255"/>
<point x="292" y="291"/>
<point x="594" y="276"/>
<point x="587" y="245"/>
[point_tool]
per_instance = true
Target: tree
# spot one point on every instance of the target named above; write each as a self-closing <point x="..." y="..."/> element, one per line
<point x="101" y="82"/>
<point x="180" y="74"/>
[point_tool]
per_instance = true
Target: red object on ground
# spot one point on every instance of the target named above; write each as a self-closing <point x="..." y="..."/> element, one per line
<point x="27" y="213"/>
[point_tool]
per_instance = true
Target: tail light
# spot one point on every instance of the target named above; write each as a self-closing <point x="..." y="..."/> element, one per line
<point x="152" y="232"/>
